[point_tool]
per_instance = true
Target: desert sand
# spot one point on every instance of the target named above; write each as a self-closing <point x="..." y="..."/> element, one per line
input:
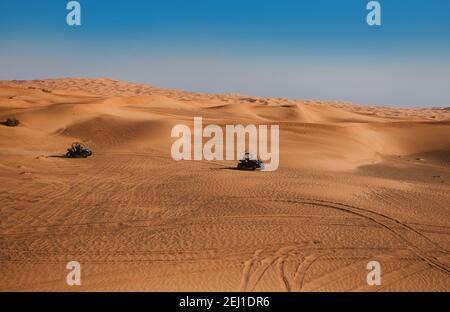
<point x="355" y="184"/>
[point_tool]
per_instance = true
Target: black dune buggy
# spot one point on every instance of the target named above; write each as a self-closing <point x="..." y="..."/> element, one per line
<point x="78" y="150"/>
<point x="250" y="164"/>
<point x="11" y="122"/>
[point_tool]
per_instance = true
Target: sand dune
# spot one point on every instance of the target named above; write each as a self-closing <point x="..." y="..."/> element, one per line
<point x="355" y="184"/>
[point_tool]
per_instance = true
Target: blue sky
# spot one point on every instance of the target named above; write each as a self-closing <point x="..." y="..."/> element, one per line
<point x="308" y="49"/>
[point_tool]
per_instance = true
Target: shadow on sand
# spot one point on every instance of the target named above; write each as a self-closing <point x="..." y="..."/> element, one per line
<point x="229" y="168"/>
<point x="57" y="156"/>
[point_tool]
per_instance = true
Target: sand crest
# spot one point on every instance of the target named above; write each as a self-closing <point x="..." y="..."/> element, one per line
<point x="355" y="184"/>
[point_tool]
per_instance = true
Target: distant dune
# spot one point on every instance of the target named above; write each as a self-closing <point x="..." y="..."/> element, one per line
<point x="356" y="183"/>
<point x="322" y="134"/>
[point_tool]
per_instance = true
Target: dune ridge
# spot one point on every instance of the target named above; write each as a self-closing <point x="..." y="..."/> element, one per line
<point x="355" y="183"/>
<point x="79" y="106"/>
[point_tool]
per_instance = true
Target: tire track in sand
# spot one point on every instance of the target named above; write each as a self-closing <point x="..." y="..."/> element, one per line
<point x="424" y="248"/>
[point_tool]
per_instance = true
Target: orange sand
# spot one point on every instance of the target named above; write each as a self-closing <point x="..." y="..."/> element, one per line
<point x="355" y="184"/>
